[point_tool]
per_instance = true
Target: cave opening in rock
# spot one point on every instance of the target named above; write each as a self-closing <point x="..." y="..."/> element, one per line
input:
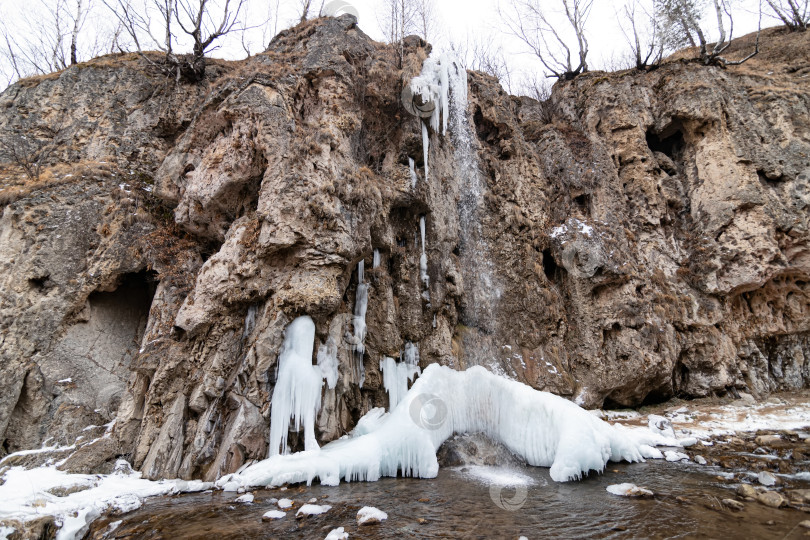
<point x="552" y="270"/>
<point x="657" y="396"/>
<point x="101" y="345"/>
<point x="669" y="142"/>
<point x="583" y="203"/>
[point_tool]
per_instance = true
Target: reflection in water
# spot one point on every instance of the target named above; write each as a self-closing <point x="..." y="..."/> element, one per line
<point x="462" y="503"/>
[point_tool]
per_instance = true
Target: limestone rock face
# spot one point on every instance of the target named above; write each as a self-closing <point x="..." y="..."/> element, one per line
<point x="638" y="236"/>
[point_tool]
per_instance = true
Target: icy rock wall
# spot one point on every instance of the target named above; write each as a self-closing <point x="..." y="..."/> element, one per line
<point x="682" y="269"/>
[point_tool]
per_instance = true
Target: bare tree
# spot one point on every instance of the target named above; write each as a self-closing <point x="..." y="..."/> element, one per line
<point x="79" y="15"/>
<point x="686" y="15"/>
<point x="533" y="22"/>
<point x="304" y="7"/>
<point x="484" y="54"/>
<point x="795" y="14"/>
<point x="28" y="151"/>
<point x="203" y="21"/>
<point x="197" y="19"/>
<point x="426" y="19"/>
<point x="643" y="33"/>
<point x="37" y="45"/>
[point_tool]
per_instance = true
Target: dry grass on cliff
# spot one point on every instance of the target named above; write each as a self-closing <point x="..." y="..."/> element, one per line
<point x="15" y="184"/>
<point x="778" y="48"/>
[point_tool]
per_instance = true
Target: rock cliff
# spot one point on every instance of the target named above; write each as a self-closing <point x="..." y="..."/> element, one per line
<point x="638" y="236"/>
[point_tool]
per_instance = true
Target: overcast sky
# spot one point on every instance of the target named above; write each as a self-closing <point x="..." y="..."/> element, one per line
<point x="458" y="20"/>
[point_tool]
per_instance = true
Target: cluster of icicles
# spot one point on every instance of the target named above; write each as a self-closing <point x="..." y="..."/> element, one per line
<point x="544" y="429"/>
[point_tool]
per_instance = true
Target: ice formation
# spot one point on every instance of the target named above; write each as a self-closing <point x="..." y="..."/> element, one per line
<point x="428" y="95"/>
<point x="423" y="259"/>
<point x="543" y="429"/>
<point x="297" y="393"/>
<point x="395" y="378"/>
<point x="375" y="260"/>
<point x="413" y="172"/>
<point x="369" y="422"/>
<point x="425" y="148"/>
<point x="411" y="353"/>
<point x="328" y="361"/>
<point x="360" y="307"/>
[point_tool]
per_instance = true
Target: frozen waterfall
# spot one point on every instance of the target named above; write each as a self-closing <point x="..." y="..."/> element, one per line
<point x="360" y="306"/>
<point x="544" y="429"/>
<point x="297" y="393"/>
<point x="428" y="96"/>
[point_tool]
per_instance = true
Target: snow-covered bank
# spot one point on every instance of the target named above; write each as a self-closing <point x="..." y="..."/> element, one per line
<point x="77" y="499"/>
<point x="543" y="429"/>
<point x="705" y="419"/>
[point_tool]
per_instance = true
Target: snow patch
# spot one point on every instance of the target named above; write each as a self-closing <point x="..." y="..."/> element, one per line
<point x="29" y="494"/>
<point x="284" y="503"/>
<point x="369" y="514"/>
<point x="573" y="225"/>
<point x="628" y="490"/>
<point x="313" y="510"/>
<point x="672" y="455"/>
<point x="274" y="514"/>
<point x="337" y="534"/>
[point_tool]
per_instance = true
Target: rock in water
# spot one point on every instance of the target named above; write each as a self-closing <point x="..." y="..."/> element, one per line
<point x="767" y="478"/>
<point x="772" y="499"/>
<point x="629" y="490"/>
<point x="368" y="515"/>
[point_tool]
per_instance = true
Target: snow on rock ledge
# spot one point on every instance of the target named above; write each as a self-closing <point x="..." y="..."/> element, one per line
<point x="543" y="429"/>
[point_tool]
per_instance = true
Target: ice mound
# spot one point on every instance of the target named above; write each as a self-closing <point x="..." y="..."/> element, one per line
<point x="543" y="429"/>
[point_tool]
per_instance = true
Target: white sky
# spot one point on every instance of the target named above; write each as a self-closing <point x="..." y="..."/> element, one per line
<point x="459" y="19"/>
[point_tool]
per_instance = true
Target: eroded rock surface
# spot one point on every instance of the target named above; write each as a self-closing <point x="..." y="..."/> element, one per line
<point x="636" y="237"/>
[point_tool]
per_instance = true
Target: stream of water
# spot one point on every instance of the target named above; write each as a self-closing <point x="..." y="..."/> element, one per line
<point x="464" y="503"/>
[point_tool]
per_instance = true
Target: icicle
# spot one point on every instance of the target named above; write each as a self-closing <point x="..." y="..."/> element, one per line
<point x="375" y="262"/>
<point x="413" y="172"/>
<point x="360" y="306"/>
<point x="423" y="270"/>
<point x="250" y="321"/>
<point x="328" y="362"/>
<point x="297" y="393"/>
<point x="443" y="76"/>
<point x="425" y="147"/>
<point x="395" y="379"/>
<point x="411" y="354"/>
